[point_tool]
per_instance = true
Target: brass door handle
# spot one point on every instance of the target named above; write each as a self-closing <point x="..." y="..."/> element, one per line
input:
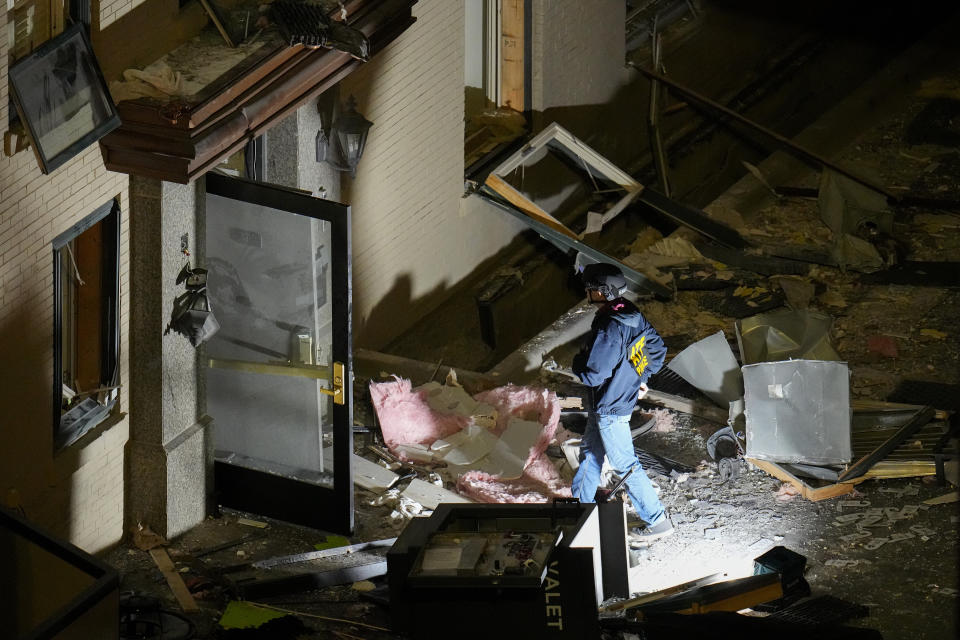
<point x="337" y="391"/>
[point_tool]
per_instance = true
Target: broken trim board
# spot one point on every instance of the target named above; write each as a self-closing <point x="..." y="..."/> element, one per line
<point x="373" y="362"/>
<point x="887" y="469"/>
<point x="521" y="202"/>
<point x="685" y="405"/>
<point x="169" y="571"/>
<point x="863" y="404"/>
<point x="814" y="494"/>
<point x="946" y="498"/>
<point x="861" y="466"/>
<point x="430" y="495"/>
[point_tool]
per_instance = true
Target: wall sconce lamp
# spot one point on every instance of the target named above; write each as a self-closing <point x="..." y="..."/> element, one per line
<point x="342" y="136"/>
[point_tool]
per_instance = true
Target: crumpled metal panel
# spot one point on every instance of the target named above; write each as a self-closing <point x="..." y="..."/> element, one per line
<point x="711" y="367"/>
<point x="784" y="334"/>
<point x="798" y="411"/>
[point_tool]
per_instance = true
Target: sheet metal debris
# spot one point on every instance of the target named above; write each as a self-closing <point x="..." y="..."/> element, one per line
<point x="710" y="366"/>
<point x="784" y="334"/>
<point x="798" y="411"/>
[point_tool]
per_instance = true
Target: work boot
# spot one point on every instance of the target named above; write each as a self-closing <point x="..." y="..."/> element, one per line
<point x="650" y="533"/>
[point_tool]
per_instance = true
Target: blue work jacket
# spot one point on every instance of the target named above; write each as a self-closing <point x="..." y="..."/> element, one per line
<point x="625" y="350"/>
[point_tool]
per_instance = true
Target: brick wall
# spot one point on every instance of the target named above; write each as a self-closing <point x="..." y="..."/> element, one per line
<point x="77" y="493"/>
<point x="414" y="236"/>
<point x="580" y="78"/>
<point x="111" y="10"/>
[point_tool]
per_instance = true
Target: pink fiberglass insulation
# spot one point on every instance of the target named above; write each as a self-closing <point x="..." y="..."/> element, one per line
<point x="525" y="403"/>
<point x="540" y="482"/>
<point x="406" y="418"/>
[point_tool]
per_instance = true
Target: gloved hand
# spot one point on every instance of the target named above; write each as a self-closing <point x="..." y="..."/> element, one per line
<point x="579" y="362"/>
<point x="643" y="391"/>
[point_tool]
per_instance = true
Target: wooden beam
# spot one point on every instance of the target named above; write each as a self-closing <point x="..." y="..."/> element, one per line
<point x="684" y="405"/>
<point x="861" y="466"/>
<point x="864" y="404"/>
<point x="512" y="45"/>
<point x="901" y="469"/>
<point x="179" y="589"/>
<point x="372" y="363"/>
<point x="521" y="202"/>
<point x="814" y="494"/>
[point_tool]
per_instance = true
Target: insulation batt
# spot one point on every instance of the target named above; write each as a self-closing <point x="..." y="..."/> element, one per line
<point x="406" y="418"/>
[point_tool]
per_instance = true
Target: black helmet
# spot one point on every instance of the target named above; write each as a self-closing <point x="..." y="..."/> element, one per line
<point x="605" y="278"/>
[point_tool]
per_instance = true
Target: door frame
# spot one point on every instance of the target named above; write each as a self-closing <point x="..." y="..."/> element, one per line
<point x="274" y="495"/>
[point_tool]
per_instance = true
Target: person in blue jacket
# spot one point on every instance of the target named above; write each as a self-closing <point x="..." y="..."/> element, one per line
<point x="625" y="350"/>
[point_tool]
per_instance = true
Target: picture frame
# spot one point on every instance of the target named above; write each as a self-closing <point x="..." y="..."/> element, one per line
<point x="61" y="98"/>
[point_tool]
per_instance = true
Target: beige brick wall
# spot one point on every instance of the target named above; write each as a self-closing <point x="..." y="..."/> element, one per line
<point x="414" y="236"/>
<point x="111" y="10"/>
<point x="77" y="493"/>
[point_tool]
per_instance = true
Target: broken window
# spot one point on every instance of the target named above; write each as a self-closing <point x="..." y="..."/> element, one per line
<point x="495" y="80"/>
<point x="86" y="342"/>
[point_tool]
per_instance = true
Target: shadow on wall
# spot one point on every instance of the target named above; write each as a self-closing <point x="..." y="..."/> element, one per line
<point x="396" y="307"/>
<point x="29" y="479"/>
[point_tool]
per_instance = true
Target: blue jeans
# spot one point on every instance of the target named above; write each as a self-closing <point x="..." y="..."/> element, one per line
<point x="610" y="436"/>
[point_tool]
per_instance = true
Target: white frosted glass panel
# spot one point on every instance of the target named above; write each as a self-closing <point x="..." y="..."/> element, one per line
<point x="269" y="287"/>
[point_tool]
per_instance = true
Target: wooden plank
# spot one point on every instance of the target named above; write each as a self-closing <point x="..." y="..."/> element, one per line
<point x="866" y="405"/>
<point x="814" y="494"/>
<point x="729" y="595"/>
<point x="946" y="498"/>
<point x="663" y="593"/>
<point x="373" y="363"/>
<point x="521" y="202"/>
<point x="685" y="405"/>
<point x="886" y="469"/>
<point x="179" y="589"/>
<point x="512" y="45"/>
<point x="861" y="466"/>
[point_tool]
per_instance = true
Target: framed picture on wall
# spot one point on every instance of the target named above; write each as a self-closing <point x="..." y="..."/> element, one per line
<point x="61" y="98"/>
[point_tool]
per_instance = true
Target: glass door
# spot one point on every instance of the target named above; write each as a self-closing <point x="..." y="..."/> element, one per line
<point x="278" y="381"/>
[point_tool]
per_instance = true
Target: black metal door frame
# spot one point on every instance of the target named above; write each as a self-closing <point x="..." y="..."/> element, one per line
<point x="274" y="495"/>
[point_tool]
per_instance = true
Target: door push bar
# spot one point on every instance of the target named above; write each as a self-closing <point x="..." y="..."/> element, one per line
<point x="316" y="372"/>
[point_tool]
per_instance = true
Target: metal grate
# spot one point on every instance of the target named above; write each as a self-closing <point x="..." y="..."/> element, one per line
<point x="822" y="610"/>
<point x="303" y="24"/>
<point x="310" y="26"/>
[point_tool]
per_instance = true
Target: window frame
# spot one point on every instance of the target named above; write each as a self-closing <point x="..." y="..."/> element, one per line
<point x="109" y="214"/>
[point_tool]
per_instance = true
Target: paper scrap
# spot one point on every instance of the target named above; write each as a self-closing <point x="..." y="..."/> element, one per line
<point x="841" y="563"/>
